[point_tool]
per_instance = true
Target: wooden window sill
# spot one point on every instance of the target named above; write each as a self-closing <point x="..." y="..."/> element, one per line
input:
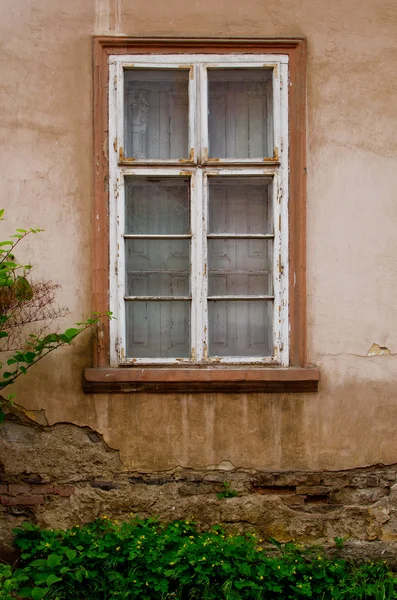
<point x="204" y="379"/>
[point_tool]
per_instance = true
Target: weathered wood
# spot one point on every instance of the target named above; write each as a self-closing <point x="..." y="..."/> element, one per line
<point x="295" y="49"/>
<point x="211" y="379"/>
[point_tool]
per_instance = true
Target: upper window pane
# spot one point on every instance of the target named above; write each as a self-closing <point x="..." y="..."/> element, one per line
<point x="240" y="205"/>
<point x="156" y="113"/>
<point x="240" y="113"/>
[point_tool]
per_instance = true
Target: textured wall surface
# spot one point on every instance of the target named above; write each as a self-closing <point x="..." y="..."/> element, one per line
<point x="63" y="475"/>
<point x="46" y="162"/>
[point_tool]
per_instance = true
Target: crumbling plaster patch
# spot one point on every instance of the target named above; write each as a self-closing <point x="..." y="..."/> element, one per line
<point x="63" y="475"/>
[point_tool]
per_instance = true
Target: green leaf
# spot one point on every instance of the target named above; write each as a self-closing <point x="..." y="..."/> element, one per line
<point x="23" y="369"/>
<point x="38" y="593"/>
<point x="7" y="243"/>
<point x="11" y="361"/>
<point x="52" y="579"/>
<point x="7" y="374"/>
<point x="3" y="334"/>
<point x="79" y="576"/>
<point x="29" y="357"/>
<point x="51" y="338"/>
<point x="10" y="264"/>
<point x="25" y="592"/>
<point x="53" y="560"/>
<point x="38" y="563"/>
<point x="72" y="332"/>
<point x="42" y="577"/>
<point x="71" y="554"/>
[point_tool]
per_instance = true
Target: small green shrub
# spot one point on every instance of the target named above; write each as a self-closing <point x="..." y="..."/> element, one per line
<point x="227" y="491"/>
<point x="148" y="560"/>
<point x="26" y="310"/>
<point x="9" y="583"/>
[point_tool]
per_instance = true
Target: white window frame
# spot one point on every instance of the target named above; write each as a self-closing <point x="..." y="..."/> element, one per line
<point x="199" y="168"/>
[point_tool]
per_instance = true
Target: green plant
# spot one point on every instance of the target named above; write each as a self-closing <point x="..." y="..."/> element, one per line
<point x="150" y="560"/>
<point x="23" y="305"/>
<point x="340" y="542"/>
<point x="9" y="582"/>
<point x="226" y="492"/>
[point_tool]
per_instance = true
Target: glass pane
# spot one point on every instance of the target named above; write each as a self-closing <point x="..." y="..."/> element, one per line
<point x="156" y="113"/>
<point x="240" y="113"/>
<point x="240" y="267"/>
<point x="240" y="328"/>
<point x="240" y="205"/>
<point x="240" y="284"/>
<point x="157" y="206"/>
<point x="157" y="267"/>
<point x="158" y="329"/>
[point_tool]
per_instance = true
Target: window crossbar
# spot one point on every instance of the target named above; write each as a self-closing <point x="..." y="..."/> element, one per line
<point x="148" y="298"/>
<point x="239" y="297"/>
<point x="244" y="236"/>
<point x="156" y="236"/>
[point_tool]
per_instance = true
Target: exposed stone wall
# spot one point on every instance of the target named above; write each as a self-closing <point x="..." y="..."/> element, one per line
<point x="64" y="475"/>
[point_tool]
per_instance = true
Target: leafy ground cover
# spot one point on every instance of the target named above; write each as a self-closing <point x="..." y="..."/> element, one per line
<point x="147" y="559"/>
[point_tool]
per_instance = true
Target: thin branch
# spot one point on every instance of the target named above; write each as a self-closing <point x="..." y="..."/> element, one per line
<point x="17" y="373"/>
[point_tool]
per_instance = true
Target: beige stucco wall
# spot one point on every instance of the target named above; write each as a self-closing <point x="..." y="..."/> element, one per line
<point x="45" y="173"/>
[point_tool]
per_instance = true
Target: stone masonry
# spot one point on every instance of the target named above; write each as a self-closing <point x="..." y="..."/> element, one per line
<point x="64" y="475"/>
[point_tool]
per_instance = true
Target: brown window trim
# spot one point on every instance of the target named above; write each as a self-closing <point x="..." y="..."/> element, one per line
<point x="299" y="377"/>
<point x="227" y="379"/>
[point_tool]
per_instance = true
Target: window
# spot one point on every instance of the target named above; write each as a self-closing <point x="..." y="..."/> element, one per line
<point x="199" y="209"/>
<point x="199" y="215"/>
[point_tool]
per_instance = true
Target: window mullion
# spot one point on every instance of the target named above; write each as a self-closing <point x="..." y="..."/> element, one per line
<point x="203" y="112"/>
<point x="197" y="267"/>
<point x="193" y="125"/>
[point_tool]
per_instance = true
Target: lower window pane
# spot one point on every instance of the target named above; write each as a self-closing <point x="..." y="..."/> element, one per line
<point x="157" y="267"/>
<point x="241" y="267"/>
<point x="158" y="329"/>
<point x="240" y="327"/>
